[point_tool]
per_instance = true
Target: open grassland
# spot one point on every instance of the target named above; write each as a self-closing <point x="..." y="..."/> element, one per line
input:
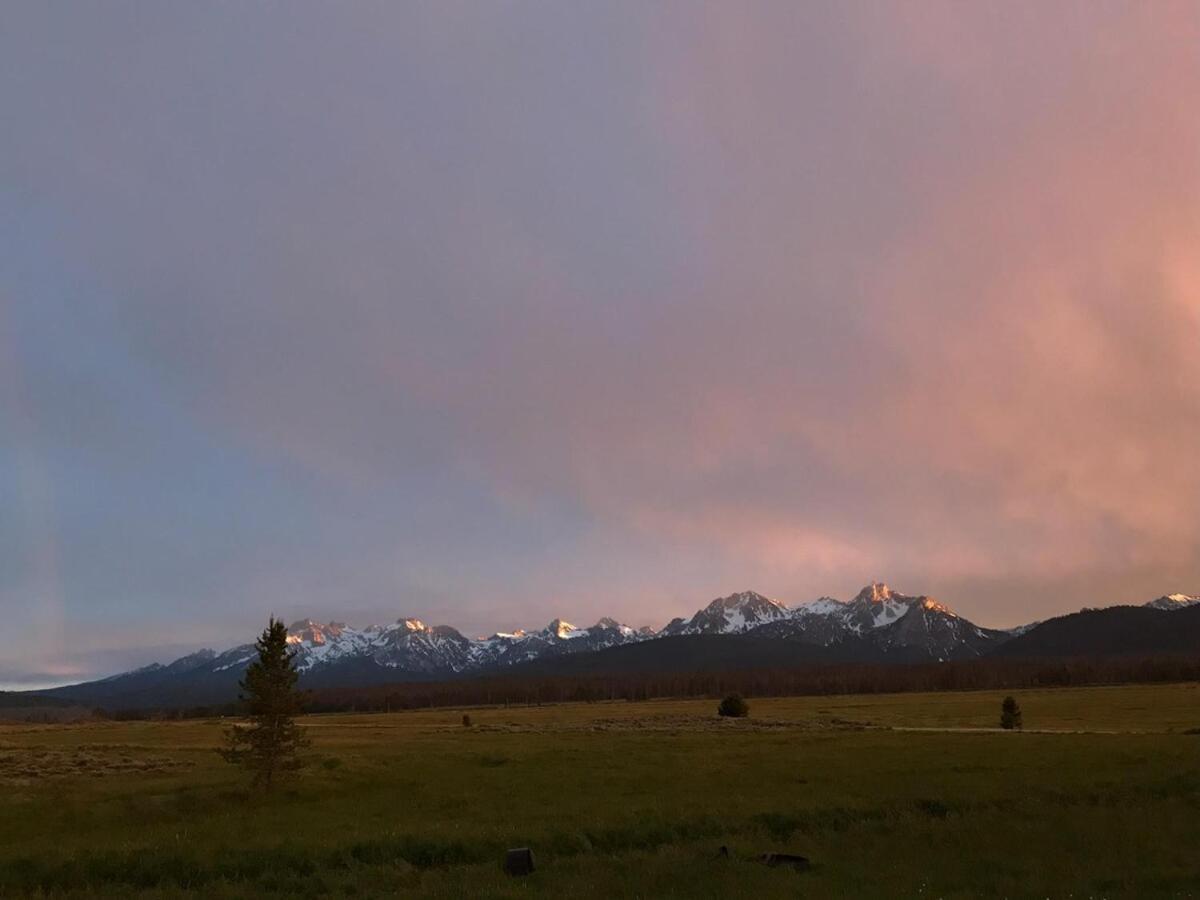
<point x="911" y="795"/>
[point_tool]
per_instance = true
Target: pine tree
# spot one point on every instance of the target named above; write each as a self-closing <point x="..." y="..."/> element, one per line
<point x="1010" y="714"/>
<point x="269" y="746"/>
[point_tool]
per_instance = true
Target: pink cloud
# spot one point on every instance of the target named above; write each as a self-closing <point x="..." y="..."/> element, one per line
<point x="882" y="289"/>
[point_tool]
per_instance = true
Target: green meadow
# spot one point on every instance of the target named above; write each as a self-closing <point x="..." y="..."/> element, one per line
<point x="910" y="795"/>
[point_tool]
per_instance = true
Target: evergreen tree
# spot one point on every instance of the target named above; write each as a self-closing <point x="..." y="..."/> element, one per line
<point x="1010" y="714"/>
<point x="269" y="746"/>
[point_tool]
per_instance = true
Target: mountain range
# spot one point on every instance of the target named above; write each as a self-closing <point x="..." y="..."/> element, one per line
<point x="740" y="630"/>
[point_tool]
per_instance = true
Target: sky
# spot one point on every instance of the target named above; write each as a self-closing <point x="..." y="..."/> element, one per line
<point x="488" y="313"/>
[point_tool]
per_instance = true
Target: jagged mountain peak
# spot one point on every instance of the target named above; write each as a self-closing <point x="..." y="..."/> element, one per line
<point x="308" y="631"/>
<point x="730" y="615"/>
<point x="879" y="595"/>
<point x="877" y="592"/>
<point x="879" y="624"/>
<point x="823" y="620"/>
<point x="744" y="598"/>
<point x="561" y="629"/>
<point x="445" y="631"/>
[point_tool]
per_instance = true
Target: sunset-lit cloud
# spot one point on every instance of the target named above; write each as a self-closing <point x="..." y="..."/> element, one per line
<point x="487" y="315"/>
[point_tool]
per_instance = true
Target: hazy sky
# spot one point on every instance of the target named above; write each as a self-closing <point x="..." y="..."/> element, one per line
<point x="491" y="312"/>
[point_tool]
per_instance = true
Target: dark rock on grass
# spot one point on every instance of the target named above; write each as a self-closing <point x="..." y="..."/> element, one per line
<point x="518" y="861"/>
<point x="789" y="860"/>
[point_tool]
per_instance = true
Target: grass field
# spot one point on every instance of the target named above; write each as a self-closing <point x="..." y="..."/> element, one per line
<point x="890" y="796"/>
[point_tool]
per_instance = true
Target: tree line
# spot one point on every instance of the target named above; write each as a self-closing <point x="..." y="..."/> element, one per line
<point x="771" y="682"/>
<point x="811" y="679"/>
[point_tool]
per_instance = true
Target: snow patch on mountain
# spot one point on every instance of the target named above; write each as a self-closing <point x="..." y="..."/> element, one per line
<point x="905" y="627"/>
<point x="734" y="614"/>
<point x="1174" y="601"/>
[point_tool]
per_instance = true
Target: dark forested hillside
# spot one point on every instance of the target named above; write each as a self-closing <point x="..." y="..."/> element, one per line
<point x="1116" y="631"/>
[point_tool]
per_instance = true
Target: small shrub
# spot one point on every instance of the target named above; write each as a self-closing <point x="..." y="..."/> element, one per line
<point x="1010" y="715"/>
<point x="733" y="707"/>
<point x="466" y="720"/>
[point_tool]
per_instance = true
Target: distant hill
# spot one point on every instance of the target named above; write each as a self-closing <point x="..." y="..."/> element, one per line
<point x="26" y="699"/>
<point x="1116" y="631"/>
<point x="153" y="687"/>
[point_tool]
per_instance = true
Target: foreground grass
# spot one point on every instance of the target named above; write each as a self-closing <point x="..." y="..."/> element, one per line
<point x="630" y="799"/>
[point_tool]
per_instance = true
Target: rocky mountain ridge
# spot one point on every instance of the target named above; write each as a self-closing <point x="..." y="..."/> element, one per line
<point x="878" y="625"/>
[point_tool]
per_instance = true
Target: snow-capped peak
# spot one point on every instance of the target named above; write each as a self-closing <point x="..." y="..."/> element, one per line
<point x="608" y="624"/>
<point x="731" y="615"/>
<point x="822" y="606"/>
<point x="506" y="635"/>
<point x="1174" y="601"/>
<point x="749" y="598"/>
<point x="877" y="616"/>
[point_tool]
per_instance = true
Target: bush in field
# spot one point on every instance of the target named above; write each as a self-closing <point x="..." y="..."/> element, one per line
<point x="733" y="707"/>
<point x="269" y="746"/>
<point x="1010" y="714"/>
<point x="466" y="720"/>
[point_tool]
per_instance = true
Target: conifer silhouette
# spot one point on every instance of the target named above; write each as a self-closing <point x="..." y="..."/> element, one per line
<point x="269" y="746"/>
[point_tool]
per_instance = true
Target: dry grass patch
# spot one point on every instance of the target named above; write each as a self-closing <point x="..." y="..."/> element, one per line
<point x="35" y="763"/>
